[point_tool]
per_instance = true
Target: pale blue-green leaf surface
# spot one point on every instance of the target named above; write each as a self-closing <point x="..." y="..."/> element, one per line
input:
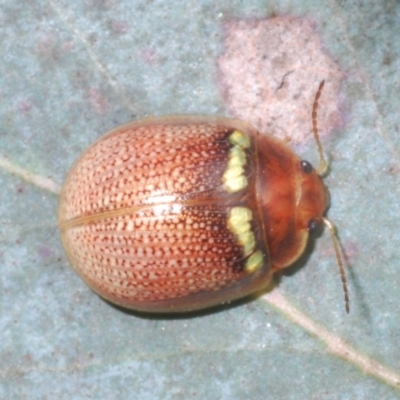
<point x="71" y="70"/>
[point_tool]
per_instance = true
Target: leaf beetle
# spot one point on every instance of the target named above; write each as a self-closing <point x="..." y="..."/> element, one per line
<point x="177" y="214"/>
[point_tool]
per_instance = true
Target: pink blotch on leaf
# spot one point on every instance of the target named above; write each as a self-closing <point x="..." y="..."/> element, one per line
<point x="118" y="26"/>
<point x="270" y="71"/>
<point x="24" y="106"/>
<point x="351" y="252"/>
<point x="97" y="101"/>
<point x="149" y="56"/>
<point x="45" y="251"/>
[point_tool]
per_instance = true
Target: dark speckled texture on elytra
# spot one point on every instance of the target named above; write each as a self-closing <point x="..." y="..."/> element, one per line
<point x="150" y="221"/>
<point x="167" y="239"/>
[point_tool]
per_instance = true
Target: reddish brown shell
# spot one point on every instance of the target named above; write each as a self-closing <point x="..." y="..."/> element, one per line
<point x="182" y="213"/>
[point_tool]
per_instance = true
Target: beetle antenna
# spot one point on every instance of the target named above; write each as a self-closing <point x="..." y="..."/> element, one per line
<point x="332" y="231"/>
<point x="322" y="162"/>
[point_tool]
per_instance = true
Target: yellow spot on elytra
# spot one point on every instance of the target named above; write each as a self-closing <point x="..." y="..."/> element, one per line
<point x="239" y="224"/>
<point x="240" y="138"/>
<point x="236" y="157"/>
<point x="233" y="173"/>
<point x="234" y="178"/>
<point x="255" y="261"/>
<point x="236" y="184"/>
<point x="248" y="242"/>
<point x="239" y="215"/>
